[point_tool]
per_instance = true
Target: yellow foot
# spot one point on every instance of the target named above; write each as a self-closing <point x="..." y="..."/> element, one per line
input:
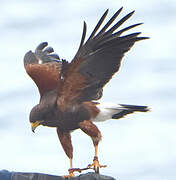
<point x="71" y="174"/>
<point x="95" y="165"/>
<point x="68" y="176"/>
<point x="72" y="170"/>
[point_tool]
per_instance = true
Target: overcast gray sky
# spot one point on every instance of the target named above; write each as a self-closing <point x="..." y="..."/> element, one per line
<point x="141" y="146"/>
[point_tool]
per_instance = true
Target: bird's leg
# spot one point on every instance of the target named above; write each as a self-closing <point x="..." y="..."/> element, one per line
<point x="65" y="140"/>
<point x="71" y="163"/>
<point x="91" y="129"/>
<point x="96" y="166"/>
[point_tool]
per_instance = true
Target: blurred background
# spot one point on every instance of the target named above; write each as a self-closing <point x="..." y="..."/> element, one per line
<point x="140" y="146"/>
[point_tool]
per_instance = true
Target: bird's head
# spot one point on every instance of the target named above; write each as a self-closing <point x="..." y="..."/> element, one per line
<point x="42" y="115"/>
<point x="35" y="118"/>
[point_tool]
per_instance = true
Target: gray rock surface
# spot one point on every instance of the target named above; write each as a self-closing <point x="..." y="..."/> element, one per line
<point x="6" y="175"/>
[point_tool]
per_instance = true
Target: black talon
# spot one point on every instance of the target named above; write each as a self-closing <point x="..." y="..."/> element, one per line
<point x="97" y="170"/>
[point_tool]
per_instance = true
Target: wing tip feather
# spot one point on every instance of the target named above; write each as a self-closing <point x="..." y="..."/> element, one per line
<point x="29" y="58"/>
<point x="41" y="46"/>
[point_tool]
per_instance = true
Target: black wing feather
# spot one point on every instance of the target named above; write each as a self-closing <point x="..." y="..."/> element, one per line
<point x="98" y="25"/>
<point x="109" y="22"/>
<point x="102" y="53"/>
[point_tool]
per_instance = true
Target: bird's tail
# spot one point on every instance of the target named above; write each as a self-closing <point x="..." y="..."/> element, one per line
<point x="128" y="109"/>
<point x="117" y="111"/>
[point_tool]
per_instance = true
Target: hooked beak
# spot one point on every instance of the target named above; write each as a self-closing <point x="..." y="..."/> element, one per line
<point x="34" y="126"/>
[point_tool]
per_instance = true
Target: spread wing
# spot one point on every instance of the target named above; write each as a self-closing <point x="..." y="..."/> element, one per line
<point x="43" y="67"/>
<point x="97" y="60"/>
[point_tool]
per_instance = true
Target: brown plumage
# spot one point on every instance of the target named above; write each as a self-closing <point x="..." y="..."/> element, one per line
<point x="68" y="90"/>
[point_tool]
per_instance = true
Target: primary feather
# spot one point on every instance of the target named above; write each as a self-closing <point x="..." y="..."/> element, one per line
<point x="98" y="59"/>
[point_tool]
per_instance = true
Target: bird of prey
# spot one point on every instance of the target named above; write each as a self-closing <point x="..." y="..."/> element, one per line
<point x="69" y="90"/>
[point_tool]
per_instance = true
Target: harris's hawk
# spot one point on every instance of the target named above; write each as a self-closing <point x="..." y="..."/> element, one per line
<point x="69" y="91"/>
